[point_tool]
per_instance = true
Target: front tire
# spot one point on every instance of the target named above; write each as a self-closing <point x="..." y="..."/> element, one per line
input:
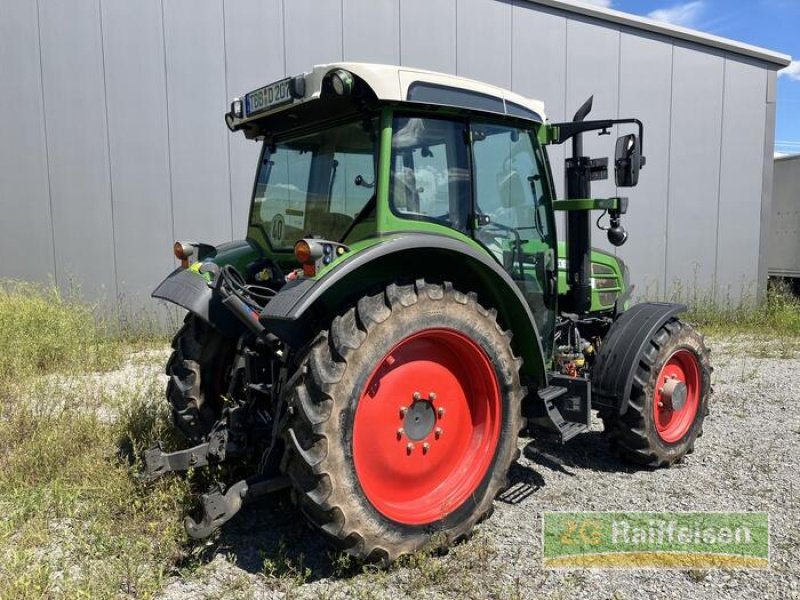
<point x="668" y="400"/>
<point x="405" y="421"/>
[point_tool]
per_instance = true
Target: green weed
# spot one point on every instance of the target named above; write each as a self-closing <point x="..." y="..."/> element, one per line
<point x="778" y="314"/>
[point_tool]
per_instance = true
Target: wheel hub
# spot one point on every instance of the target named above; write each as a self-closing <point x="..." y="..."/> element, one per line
<point x="677" y="396"/>
<point x="419" y="420"/>
<point x="674" y="394"/>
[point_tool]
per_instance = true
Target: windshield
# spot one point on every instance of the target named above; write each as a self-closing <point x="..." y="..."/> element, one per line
<point x="315" y="185"/>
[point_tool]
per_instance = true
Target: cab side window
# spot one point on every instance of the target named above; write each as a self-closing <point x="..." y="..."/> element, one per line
<point x="508" y="184"/>
<point x="430" y="176"/>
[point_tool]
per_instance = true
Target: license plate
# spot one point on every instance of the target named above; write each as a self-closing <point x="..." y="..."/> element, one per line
<point x="274" y="94"/>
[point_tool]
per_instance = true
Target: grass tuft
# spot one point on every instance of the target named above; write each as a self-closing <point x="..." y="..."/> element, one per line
<point x="777" y="315"/>
<point x="43" y="332"/>
<point x="769" y="328"/>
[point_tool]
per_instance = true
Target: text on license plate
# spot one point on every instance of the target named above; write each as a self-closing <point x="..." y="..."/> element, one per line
<point x="274" y="94"/>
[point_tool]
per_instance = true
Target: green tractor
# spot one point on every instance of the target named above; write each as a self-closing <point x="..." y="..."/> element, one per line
<point x="401" y="310"/>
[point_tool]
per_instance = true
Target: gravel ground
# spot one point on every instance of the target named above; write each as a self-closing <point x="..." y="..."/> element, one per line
<point x="748" y="460"/>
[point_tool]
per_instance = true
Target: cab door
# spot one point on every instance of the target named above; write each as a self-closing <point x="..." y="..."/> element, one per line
<point x="512" y="214"/>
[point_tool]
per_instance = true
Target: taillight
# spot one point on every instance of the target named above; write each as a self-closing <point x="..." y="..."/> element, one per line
<point x="307" y="252"/>
<point x="182" y="252"/>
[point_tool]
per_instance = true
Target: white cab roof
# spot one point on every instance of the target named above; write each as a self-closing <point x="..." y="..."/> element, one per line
<point x="393" y="83"/>
<point x="390" y="82"/>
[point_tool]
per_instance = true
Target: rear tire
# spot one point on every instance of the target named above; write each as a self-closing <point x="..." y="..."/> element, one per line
<point x="383" y="471"/>
<point x="653" y="432"/>
<point x="199" y="371"/>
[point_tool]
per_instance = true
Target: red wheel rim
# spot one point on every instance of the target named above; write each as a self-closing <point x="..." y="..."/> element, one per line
<point x="675" y="407"/>
<point x="427" y="426"/>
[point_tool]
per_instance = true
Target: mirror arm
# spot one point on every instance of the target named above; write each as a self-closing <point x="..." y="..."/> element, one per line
<point x="569" y="130"/>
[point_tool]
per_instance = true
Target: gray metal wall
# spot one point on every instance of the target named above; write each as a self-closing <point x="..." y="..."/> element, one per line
<point x="112" y="142"/>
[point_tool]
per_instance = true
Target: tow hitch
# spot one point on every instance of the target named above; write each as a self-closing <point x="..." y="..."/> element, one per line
<point x="219" y="507"/>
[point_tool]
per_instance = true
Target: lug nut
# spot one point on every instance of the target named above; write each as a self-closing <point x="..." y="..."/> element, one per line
<point x="432" y="396"/>
<point x="409" y="448"/>
<point x="403" y="411"/>
<point x="417" y="396"/>
<point x="400" y="433"/>
<point x="438" y="432"/>
<point x="425" y="447"/>
<point x="660" y="405"/>
<point x="440" y="412"/>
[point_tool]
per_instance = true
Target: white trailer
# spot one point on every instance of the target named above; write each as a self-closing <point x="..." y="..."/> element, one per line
<point x="784" y="243"/>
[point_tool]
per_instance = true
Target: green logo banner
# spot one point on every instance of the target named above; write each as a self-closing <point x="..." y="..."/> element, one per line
<point x="646" y="540"/>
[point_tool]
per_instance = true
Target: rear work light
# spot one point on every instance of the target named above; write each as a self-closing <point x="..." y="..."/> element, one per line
<point x="341" y="82"/>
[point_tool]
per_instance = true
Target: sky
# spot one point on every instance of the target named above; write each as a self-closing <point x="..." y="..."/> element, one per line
<point x="771" y="24"/>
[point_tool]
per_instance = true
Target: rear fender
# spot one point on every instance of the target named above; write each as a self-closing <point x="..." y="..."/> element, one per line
<point x="620" y="352"/>
<point x="190" y="290"/>
<point x="304" y="306"/>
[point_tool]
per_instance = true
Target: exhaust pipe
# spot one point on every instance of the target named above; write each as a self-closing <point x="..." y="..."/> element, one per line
<point x="579" y="233"/>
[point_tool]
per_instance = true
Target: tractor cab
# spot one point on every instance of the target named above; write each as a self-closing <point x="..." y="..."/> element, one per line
<point x="380" y="152"/>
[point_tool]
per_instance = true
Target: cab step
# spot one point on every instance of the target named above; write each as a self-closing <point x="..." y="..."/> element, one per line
<point x="564" y="407"/>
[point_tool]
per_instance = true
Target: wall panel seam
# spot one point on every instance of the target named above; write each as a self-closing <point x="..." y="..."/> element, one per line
<point x="341" y="25"/>
<point x="224" y="103"/>
<point x="767" y="190"/>
<point x="619" y="104"/>
<point x="456" y="33"/>
<point x="399" y="32"/>
<point x="46" y="141"/>
<point x="563" y="217"/>
<point x="283" y="27"/>
<point x="169" y="132"/>
<point x="719" y="174"/>
<point x="108" y="153"/>
<point x="669" y="164"/>
<point x="511" y="47"/>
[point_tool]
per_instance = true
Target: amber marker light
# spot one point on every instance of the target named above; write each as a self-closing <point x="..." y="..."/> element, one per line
<point x="307" y="252"/>
<point x="302" y="252"/>
<point x="182" y="252"/>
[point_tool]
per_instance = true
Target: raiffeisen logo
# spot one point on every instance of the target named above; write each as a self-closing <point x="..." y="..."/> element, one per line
<point x="661" y="533"/>
<point x="656" y="540"/>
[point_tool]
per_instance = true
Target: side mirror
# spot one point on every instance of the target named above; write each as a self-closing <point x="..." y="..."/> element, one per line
<point x="628" y="160"/>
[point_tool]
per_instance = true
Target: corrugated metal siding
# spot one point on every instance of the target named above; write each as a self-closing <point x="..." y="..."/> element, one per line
<point x="646" y="92"/>
<point x="138" y="142"/>
<point x="120" y="147"/>
<point x="75" y="117"/>
<point x="26" y="227"/>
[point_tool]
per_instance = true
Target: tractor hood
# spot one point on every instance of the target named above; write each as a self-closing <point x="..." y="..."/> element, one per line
<point x="609" y="278"/>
